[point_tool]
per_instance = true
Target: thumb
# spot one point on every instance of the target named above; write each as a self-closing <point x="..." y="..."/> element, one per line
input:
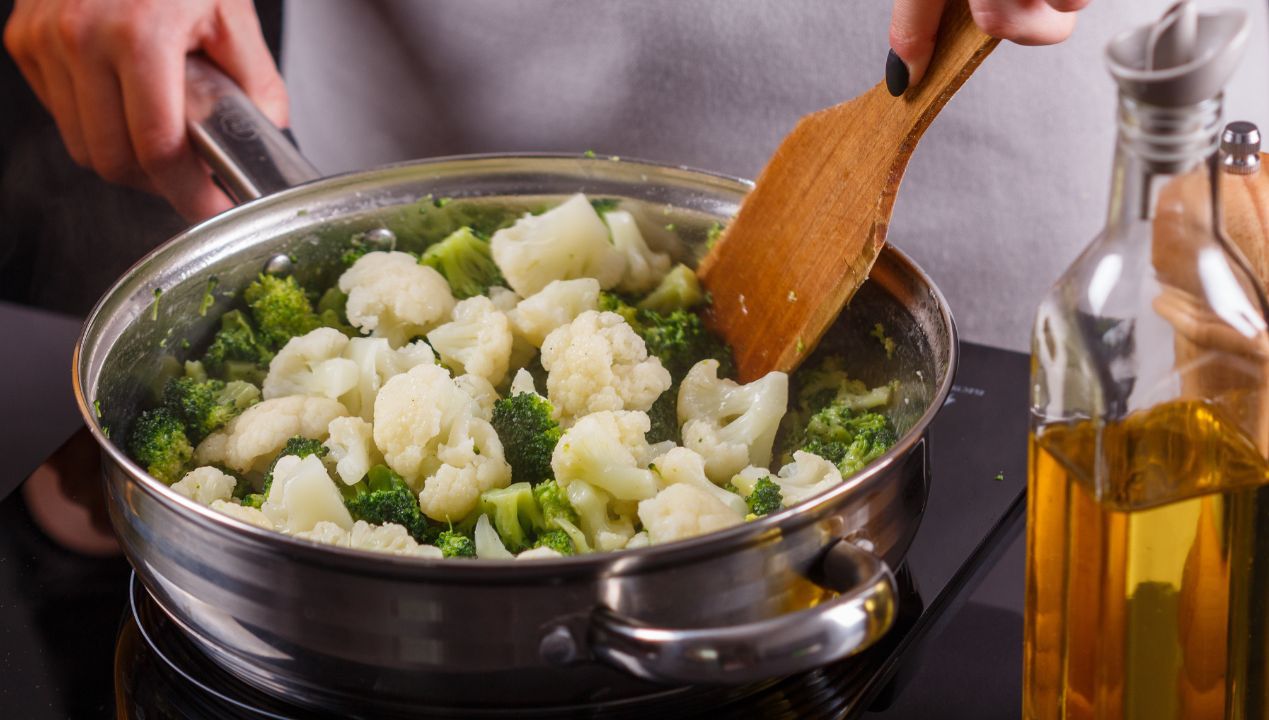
<point x="914" y="26"/>
<point x="237" y="45"/>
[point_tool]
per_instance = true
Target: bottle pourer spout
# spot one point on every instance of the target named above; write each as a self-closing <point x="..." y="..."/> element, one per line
<point x="1183" y="58"/>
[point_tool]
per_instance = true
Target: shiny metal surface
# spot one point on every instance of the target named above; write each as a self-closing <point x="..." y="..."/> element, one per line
<point x="250" y="156"/>
<point x="1240" y="148"/>
<point x="835" y="628"/>
<point x="318" y="623"/>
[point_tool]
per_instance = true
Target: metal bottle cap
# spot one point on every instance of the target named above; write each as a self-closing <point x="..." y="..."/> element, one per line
<point x="1240" y="148"/>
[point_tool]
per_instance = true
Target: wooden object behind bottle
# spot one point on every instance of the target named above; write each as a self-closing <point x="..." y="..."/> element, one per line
<point x="1202" y="338"/>
<point x="807" y="235"/>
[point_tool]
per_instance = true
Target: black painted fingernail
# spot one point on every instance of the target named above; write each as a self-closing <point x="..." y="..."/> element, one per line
<point x="896" y="74"/>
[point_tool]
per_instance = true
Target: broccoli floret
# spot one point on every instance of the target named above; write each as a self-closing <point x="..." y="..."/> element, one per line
<point x="559" y="514"/>
<point x="847" y="437"/>
<point x="664" y="415"/>
<point x="528" y="434"/>
<point x="466" y="262"/>
<point x="678" y="290"/>
<point x="681" y="340"/>
<point x="205" y="406"/>
<point x="159" y="444"/>
<point x="234" y="348"/>
<point x="280" y="308"/>
<point x="514" y="513"/>
<point x="612" y="302"/>
<point x="383" y="497"/>
<point x="332" y="311"/>
<point x="557" y="540"/>
<point x="765" y="498"/>
<point x="454" y="544"/>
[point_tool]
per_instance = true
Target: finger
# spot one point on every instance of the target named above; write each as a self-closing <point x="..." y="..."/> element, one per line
<point x="54" y="33"/>
<point x="104" y="127"/>
<point x="914" y="26"/>
<point x="59" y="94"/>
<point x="236" y="44"/>
<point x="152" y="79"/>
<point x="1025" y="22"/>
<point x="17" y="41"/>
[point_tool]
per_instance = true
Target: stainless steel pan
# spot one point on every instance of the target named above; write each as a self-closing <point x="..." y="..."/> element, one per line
<point x="348" y="629"/>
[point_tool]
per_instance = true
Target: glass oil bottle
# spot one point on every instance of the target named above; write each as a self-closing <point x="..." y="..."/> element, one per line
<point x="1148" y="515"/>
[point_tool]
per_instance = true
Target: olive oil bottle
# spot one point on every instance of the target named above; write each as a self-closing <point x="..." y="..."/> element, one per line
<point x="1148" y="513"/>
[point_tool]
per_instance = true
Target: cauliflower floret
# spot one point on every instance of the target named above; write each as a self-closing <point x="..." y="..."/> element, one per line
<point x="352" y="448"/>
<point x="205" y="485"/>
<point x="566" y="242"/>
<point x="605" y="527"/>
<point x="250" y="441"/>
<point x="471" y="462"/>
<point x="376" y="363"/>
<point x="681" y="465"/>
<point x="476" y="341"/>
<point x="389" y="538"/>
<point x="682" y="510"/>
<point x="731" y="425"/>
<point x="807" y="476"/>
<point x="644" y="268"/>
<point x="598" y="362"/>
<point x="505" y="299"/>
<point x="413" y="413"/>
<point x="539" y="553"/>
<point x="326" y="533"/>
<point x="390" y="295"/>
<point x="522" y="383"/>
<point x="603" y="449"/>
<point x="556" y="304"/>
<point x="640" y="540"/>
<point x="249" y="515"/>
<point x="311" y="365"/>
<point x="488" y="545"/>
<point x="386" y="538"/>
<point x="481" y="392"/>
<point x="302" y="494"/>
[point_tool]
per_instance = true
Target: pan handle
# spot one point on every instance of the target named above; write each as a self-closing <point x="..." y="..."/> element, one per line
<point x="249" y="155"/>
<point x="773" y="647"/>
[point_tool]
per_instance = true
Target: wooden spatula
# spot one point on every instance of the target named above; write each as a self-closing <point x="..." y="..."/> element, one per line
<point x="807" y="236"/>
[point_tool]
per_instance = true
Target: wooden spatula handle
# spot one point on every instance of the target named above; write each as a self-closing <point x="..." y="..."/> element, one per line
<point x="807" y="236"/>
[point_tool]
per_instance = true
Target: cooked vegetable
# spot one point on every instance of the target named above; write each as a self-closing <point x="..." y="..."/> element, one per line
<point x="422" y="408"/>
<point x="847" y="437"/>
<point x="455" y="545"/>
<point x="159" y="443"/>
<point x="205" y="406"/>
<point x="765" y="498"/>
<point x="466" y="262"/>
<point x="235" y="351"/>
<point x="383" y="497"/>
<point x="529" y="434"/>
<point x="280" y="308"/>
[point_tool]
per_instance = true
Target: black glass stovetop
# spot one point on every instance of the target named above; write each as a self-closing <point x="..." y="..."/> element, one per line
<point x="74" y="644"/>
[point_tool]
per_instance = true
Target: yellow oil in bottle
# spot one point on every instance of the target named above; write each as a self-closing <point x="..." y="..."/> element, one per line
<point x="1148" y="569"/>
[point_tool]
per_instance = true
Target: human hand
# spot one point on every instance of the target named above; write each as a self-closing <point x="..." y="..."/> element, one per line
<point x="112" y="73"/>
<point x="914" y="25"/>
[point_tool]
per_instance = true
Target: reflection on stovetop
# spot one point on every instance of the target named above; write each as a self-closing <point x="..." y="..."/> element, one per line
<point x="160" y="674"/>
<point x="60" y="612"/>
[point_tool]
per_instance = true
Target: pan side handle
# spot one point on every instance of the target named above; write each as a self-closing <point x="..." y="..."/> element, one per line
<point x="782" y="645"/>
<point x="250" y="156"/>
